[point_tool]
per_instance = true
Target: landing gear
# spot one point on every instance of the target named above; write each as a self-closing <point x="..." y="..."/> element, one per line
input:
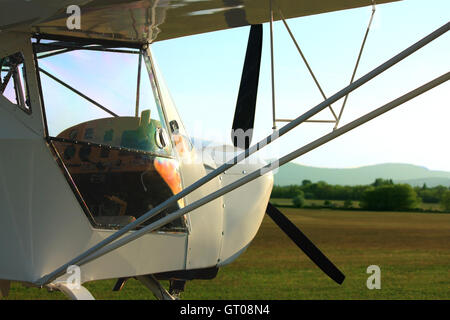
<point x="72" y="292"/>
<point x="156" y="288"/>
<point x="176" y="287"/>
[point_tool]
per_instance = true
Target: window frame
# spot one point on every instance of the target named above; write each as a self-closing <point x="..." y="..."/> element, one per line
<point x="22" y="94"/>
<point x="158" y="101"/>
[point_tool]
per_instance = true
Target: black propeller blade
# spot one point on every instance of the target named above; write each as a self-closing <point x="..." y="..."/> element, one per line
<point x="244" y="115"/>
<point x="305" y="244"/>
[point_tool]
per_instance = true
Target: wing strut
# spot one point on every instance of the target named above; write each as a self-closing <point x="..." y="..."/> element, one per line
<point x="309" y="69"/>
<point x="336" y="118"/>
<point x="357" y="63"/>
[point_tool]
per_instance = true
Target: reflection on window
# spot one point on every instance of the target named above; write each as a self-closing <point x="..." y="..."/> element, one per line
<point x="132" y="133"/>
<point x="119" y="186"/>
<point x="13" y="84"/>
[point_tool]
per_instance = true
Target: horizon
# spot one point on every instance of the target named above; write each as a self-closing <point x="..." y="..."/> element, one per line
<point x="370" y="165"/>
<point x="399" y="173"/>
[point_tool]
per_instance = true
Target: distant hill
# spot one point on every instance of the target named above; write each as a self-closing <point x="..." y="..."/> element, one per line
<point x="293" y="173"/>
<point x="431" y="182"/>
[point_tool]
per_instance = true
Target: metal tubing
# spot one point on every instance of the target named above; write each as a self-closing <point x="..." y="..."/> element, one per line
<point x="435" y="34"/>
<point x="306" y="62"/>
<point x="78" y="92"/>
<point x="271" y="166"/>
<point x="357" y="63"/>
<point x="55" y="53"/>
<point x="51" y="46"/>
<point x="321" y="121"/>
<point x="272" y="68"/>
<point x="315" y="121"/>
<point x="69" y="49"/>
<point x="138" y="85"/>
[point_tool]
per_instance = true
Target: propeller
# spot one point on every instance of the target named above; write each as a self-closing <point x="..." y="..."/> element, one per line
<point x="305" y="244"/>
<point x="241" y="135"/>
<point x="244" y="114"/>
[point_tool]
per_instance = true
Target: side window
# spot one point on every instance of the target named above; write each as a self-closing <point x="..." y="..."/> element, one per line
<point x="13" y="82"/>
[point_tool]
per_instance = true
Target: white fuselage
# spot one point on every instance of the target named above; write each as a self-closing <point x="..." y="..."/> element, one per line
<point x="43" y="224"/>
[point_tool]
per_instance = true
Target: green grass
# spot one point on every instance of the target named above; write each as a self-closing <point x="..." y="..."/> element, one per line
<point x="340" y="204"/>
<point x="412" y="250"/>
<point x="311" y="202"/>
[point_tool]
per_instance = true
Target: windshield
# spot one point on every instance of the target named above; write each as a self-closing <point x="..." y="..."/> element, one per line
<point x="104" y="97"/>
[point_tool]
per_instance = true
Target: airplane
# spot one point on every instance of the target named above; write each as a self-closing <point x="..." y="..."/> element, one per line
<point x="115" y="188"/>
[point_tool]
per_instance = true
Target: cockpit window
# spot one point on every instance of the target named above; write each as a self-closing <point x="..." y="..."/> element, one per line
<point x="107" y="127"/>
<point x="13" y="81"/>
<point x="103" y="97"/>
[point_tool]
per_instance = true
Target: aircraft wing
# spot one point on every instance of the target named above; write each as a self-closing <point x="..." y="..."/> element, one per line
<point x="155" y="20"/>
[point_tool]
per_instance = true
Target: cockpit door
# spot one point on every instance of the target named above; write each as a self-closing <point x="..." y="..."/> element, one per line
<point x="205" y="224"/>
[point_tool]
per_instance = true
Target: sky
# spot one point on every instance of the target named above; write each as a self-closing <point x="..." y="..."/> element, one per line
<point x="203" y="74"/>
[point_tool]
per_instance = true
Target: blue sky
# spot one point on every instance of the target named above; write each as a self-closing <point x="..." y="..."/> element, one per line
<point x="203" y="74"/>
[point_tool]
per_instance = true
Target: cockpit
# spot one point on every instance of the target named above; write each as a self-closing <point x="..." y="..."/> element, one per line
<point x="109" y="131"/>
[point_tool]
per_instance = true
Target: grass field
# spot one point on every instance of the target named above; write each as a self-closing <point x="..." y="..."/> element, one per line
<point x="310" y="202"/>
<point x="412" y="250"/>
<point x="340" y="203"/>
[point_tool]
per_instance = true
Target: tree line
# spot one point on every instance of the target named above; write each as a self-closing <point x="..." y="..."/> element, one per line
<point x="382" y="194"/>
